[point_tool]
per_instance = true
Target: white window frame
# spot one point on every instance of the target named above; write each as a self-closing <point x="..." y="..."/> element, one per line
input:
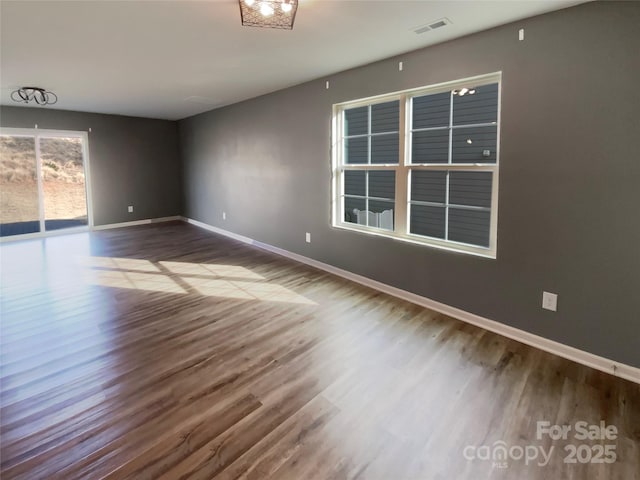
<point x="404" y="167"/>
<point x="36" y="134"/>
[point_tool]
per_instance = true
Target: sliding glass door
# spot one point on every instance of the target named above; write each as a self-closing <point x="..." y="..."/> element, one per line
<point x="44" y="181"/>
<point x="19" y="197"/>
<point x="63" y="182"/>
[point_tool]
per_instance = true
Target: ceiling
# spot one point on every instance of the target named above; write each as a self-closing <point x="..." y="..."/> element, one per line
<point x="173" y="59"/>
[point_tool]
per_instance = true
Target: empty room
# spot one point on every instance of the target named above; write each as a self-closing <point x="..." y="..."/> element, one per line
<point x="319" y="239"/>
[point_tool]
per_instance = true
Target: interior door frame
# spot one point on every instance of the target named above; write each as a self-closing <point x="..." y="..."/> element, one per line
<point x="37" y="133"/>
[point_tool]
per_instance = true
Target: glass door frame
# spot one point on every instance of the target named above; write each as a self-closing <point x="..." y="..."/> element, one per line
<point x="36" y="134"/>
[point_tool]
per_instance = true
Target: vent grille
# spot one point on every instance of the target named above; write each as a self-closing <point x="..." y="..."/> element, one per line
<point x="443" y="22"/>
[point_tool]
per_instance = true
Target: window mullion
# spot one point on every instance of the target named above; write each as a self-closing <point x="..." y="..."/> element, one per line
<point x="40" y="181"/>
<point x="455" y="166"/>
<point x="446" y="208"/>
<point x="402" y="180"/>
<point x="450" y="162"/>
<point x="367" y="167"/>
<point x="338" y="162"/>
<point x="450" y="156"/>
<point x="366" y="197"/>
<point x="366" y="175"/>
<point x="369" y="136"/>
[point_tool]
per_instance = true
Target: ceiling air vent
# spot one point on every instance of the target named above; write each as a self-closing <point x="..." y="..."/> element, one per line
<point x="432" y="25"/>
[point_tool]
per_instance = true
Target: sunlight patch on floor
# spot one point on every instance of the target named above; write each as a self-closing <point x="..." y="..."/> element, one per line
<point x="217" y="288"/>
<point x="247" y="290"/>
<point x="211" y="280"/>
<point x="119" y="263"/>
<point x="134" y="280"/>
<point x="227" y="271"/>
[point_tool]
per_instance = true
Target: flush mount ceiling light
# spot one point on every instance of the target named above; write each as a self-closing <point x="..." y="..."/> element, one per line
<point x="34" y="94"/>
<point x="268" y="13"/>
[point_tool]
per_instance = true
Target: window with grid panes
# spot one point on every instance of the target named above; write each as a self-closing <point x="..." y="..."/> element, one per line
<point x="421" y="165"/>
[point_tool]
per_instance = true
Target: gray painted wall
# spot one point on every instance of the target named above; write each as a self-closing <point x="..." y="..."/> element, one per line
<point x="134" y="161"/>
<point x="569" y="197"/>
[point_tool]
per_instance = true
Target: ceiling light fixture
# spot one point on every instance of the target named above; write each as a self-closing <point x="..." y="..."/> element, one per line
<point x="265" y="9"/>
<point x="268" y="13"/>
<point x="34" y="94"/>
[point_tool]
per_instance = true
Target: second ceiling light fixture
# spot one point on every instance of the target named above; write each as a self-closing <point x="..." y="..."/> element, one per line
<point x="268" y="13"/>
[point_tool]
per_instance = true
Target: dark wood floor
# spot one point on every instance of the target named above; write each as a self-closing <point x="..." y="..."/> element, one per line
<point x="165" y="351"/>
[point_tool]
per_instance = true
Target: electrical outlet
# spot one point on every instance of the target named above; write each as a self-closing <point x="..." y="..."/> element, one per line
<point x="130" y="208"/>
<point x="224" y="215"/>
<point x="308" y="237"/>
<point x="549" y="301"/>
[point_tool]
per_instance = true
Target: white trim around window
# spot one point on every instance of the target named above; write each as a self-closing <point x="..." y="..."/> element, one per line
<point x="403" y="166"/>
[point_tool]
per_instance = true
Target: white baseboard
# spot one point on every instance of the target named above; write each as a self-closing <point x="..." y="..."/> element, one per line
<point x="137" y="222"/>
<point x="226" y="233"/>
<point x="580" y="356"/>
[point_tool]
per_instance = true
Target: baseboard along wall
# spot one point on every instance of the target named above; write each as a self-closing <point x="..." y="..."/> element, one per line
<point x="612" y="367"/>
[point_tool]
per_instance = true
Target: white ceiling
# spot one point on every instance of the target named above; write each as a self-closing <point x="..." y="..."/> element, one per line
<point x="145" y="58"/>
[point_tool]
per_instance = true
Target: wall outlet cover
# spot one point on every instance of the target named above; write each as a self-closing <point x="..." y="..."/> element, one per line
<point x="550" y="301"/>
